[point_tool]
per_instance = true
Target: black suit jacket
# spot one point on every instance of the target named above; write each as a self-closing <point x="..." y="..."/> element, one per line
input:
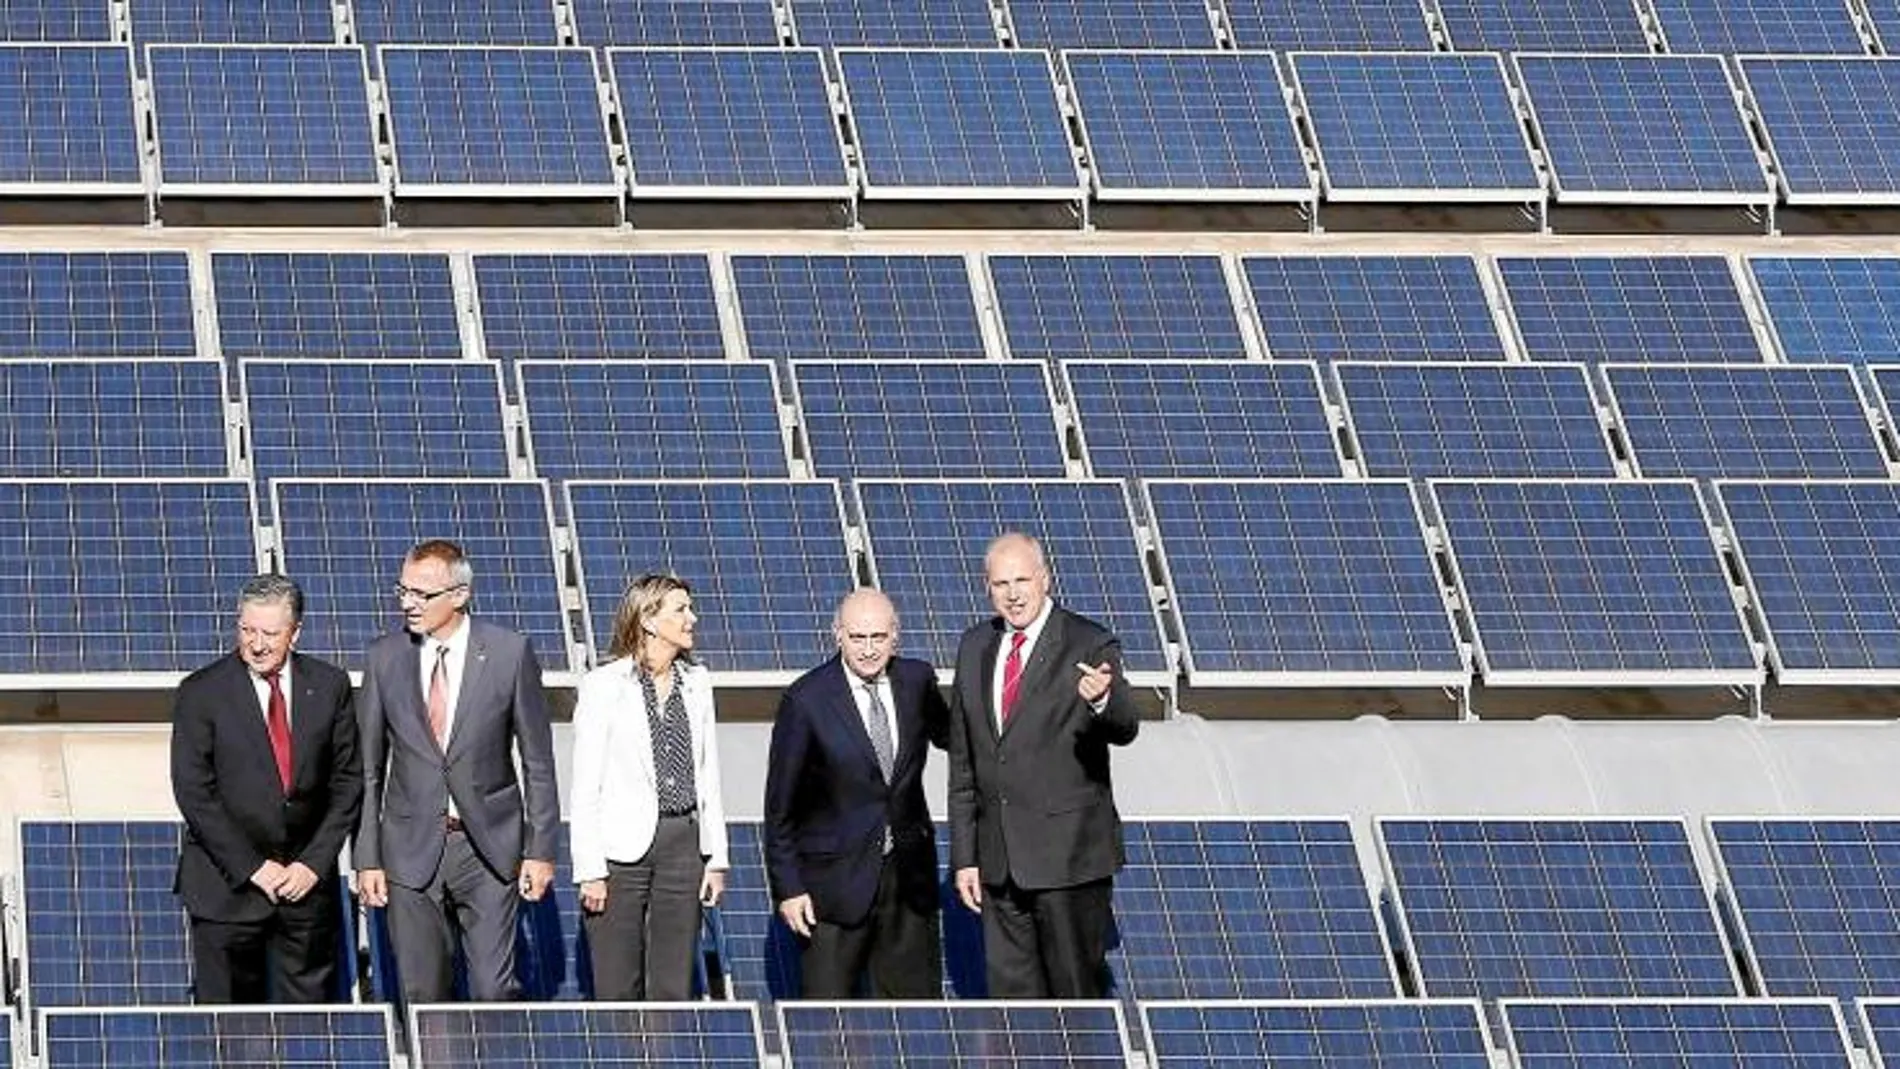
<point x="224" y="779"/>
<point x="826" y="802"/>
<point x="1034" y="803"/>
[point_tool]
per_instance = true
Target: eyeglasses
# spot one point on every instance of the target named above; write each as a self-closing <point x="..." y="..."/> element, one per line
<point x="409" y="593"/>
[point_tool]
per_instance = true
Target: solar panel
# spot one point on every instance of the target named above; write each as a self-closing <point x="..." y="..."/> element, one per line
<point x="1833" y="126"/>
<point x="694" y="419"/>
<point x="1843" y="309"/>
<point x="1138" y="307"/>
<point x="344" y="540"/>
<point x="1880" y="1024"/>
<point x="1297" y="24"/>
<point x="1740" y="421"/>
<point x="116" y="577"/>
<point x="1111" y="24"/>
<point x="481" y="22"/>
<point x="1652" y="1034"/>
<point x="1210" y="418"/>
<point x="598" y="305"/>
<point x="1425" y="420"/>
<point x="1815" y="902"/>
<point x="67" y="118"/>
<point x="1373" y="307"/>
<point x="1411" y="126"/>
<point x="123" y="418"/>
<point x="620" y="1034"/>
<point x="233" y="21"/>
<point x="297" y="119"/>
<point x="948" y="419"/>
<point x="1547" y="26"/>
<point x="759" y="953"/>
<point x="55" y="20"/>
<point x="1201" y="126"/>
<point x="894" y="23"/>
<point x="839" y="307"/>
<point x="6" y="1040"/>
<point x="1643" y="129"/>
<point x="305" y="304"/>
<point x="1628" y="308"/>
<point x="945" y="124"/>
<point x="1304" y="583"/>
<point x="730" y="122"/>
<point x="497" y="121"/>
<point x="768" y="562"/>
<point x="674" y="22"/>
<point x="1026" y="1035"/>
<point x="1371" y="1034"/>
<point x="189" y="1037"/>
<point x="102" y="925"/>
<point x="1594" y="583"/>
<point x="55" y="304"/>
<point x="1555" y="908"/>
<point x="1782" y="26"/>
<point x="1822" y="562"/>
<point x="926" y="542"/>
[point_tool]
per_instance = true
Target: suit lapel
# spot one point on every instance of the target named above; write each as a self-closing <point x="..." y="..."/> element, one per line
<point x="906" y="702"/>
<point x="474" y="665"/>
<point x="252" y="725"/>
<point x="844" y="705"/>
<point x="307" y="726"/>
<point x="986" y="676"/>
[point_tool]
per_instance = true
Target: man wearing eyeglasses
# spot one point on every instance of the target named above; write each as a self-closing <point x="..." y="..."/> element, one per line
<point x="849" y="848"/>
<point x="451" y="840"/>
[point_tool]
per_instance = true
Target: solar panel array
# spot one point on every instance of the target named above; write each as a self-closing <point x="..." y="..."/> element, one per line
<point x="1743" y="1033"/>
<point x="1292" y="25"/>
<point x="1548" y="25"/>
<point x="1737" y="421"/>
<point x="1842" y="309"/>
<point x="67" y="116"/>
<point x="1372" y="308"/>
<point x="1833" y="125"/>
<point x="342" y="1037"/>
<point x="1421" y="420"/>
<point x="1750" y="26"/>
<point x="528" y="1036"/>
<point x="894" y="23"/>
<point x="56" y="304"/>
<point x="843" y="307"/>
<point x="1367" y="1034"/>
<point x="1628" y="308"/>
<point x="597" y="305"/>
<point x="232" y="21"/>
<point x="872" y="419"/>
<point x="305" y="304"/>
<point x="674" y="22"/>
<point x="54" y="20"/>
<point x="480" y="22"/>
<point x="1111" y="23"/>
<point x="101" y="923"/>
<point x="1203" y="419"/>
<point x="1031" y="1035"/>
<point x="1880" y="1020"/>
<point x="1099" y="307"/>
<point x="113" y="418"/>
<point x="692" y="419"/>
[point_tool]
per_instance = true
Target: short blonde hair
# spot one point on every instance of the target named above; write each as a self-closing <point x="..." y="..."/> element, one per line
<point x="638" y="605"/>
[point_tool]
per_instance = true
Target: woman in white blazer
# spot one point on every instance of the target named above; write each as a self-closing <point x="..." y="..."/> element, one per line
<point x="647" y="830"/>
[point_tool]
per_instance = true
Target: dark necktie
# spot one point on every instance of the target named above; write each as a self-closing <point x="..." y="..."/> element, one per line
<point x="277" y="722"/>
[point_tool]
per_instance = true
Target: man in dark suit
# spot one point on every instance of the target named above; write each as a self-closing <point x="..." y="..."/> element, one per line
<point x="451" y="839"/>
<point x="266" y="774"/>
<point x="849" y="847"/>
<point x="1035" y="840"/>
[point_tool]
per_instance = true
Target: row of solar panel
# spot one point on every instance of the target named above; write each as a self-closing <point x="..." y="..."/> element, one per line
<point x="948" y="124"/>
<point x="1626" y="309"/>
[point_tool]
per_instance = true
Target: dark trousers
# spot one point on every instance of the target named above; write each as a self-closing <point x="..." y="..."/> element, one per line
<point x="289" y="957"/>
<point x="895" y="947"/>
<point x="1051" y="943"/>
<point x="466" y="902"/>
<point x="644" y="941"/>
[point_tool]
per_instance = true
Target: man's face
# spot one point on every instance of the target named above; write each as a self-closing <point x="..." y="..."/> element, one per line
<point x="867" y="635"/>
<point x="431" y="599"/>
<point x="265" y="633"/>
<point x="1019" y="584"/>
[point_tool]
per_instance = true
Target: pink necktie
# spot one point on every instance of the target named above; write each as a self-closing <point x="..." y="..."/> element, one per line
<point x="439" y="697"/>
<point x="1013" y="673"/>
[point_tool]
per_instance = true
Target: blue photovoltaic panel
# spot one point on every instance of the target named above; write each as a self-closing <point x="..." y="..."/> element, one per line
<point x="598" y="305"/>
<point x="1832" y="309"/>
<point x="1210" y="125"/>
<point x="759" y="953"/>
<point x="894" y="23"/>
<point x="55" y="20"/>
<point x="1884" y="15"/>
<point x="730" y="119"/>
<point x="1640" y="128"/>
<point x="927" y="541"/>
<point x="929" y="122"/>
<point x="1373" y="308"/>
<point x="1629" y="308"/>
<point x="339" y="1037"/>
<point x="95" y="304"/>
<point x="929" y="420"/>
<point x="674" y="22"/>
<point x="465" y="22"/>
<point x="344" y="540"/>
<point x="1881" y="1018"/>
<point x="67" y="116"/>
<point x="1321" y="581"/>
<point x="1594" y="581"/>
<point x="1331" y="1035"/>
<point x="837" y="307"/>
<point x="1025" y="1035"/>
<point x="1111" y="24"/>
<point x="768" y="562"/>
<point x="1823" y="562"/>
<point x="497" y="118"/>
<point x="528" y="1037"/>
<point x="263" y="116"/>
<point x="1415" y="126"/>
<point x="1206" y="419"/>
<point x="693" y="420"/>
<point x="314" y="304"/>
<point x="1426" y="420"/>
<point x="1093" y="307"/>
<point x="1818" y="902"/>
<point x="1746" y="26"/>
<point x="300" y="22"/>
<point x="1672" y="1034"/>
<point x="1832" y="124"/>
<point x="1739" y="421"/>
<point x="1546" y="26"/>
<point x="1290" y="25"/>
<point x="121" y="576"/>
<point x="120" y="418"/>
<point x="103" y="927"/>
<point x="1555" y="908"/>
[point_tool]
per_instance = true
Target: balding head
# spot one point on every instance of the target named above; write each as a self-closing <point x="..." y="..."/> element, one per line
<point x="865" y="626"/>
<point x="1017" y="575"/>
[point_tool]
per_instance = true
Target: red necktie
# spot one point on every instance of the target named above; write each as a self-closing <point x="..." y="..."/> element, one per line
<point x="1013" y="673"/>
<point x="277" y="722"/>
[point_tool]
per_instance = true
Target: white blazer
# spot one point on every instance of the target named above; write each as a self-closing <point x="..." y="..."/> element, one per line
<point x="613" y="811"/>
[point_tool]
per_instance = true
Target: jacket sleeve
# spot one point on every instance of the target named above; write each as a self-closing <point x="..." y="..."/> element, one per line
<point x="962" y="795"/>
<point x="935" y="711"/>
<point x="195" y="788"/>
<point x="1120" y="720"/>
<point x="346" y="782"/>
<point x="710" y="786"/>
<point x="534" y="738"/>
<point x="592" y="737"/>
<point x="785" y="759"/>
<point x="373" y="744"/>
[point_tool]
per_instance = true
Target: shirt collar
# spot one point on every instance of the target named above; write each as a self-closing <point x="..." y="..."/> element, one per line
<point x="1034" y="630"/>
<point x="455" y="643"/>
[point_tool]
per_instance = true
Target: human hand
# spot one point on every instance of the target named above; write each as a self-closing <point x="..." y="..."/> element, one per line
<point x="299" y="880"/>
<point x="711" y="886"/>
<point x="1094" y="681"/>
<point x="372" y="886"/>
<point x="535" y="877"/>
<point x="798" y="914"/>
<point x="970" y="889"/>
<point x="593" y="895"/>
<point x="269" y="878"/>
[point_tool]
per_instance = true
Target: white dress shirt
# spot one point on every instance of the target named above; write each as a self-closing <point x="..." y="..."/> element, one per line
<point x="1030" y="635"/>
<point x="861" y="693"/>
<point x="262" y="687"/>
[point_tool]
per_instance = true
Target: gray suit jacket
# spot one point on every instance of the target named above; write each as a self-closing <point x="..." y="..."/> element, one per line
<point x="407" y="779"/>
